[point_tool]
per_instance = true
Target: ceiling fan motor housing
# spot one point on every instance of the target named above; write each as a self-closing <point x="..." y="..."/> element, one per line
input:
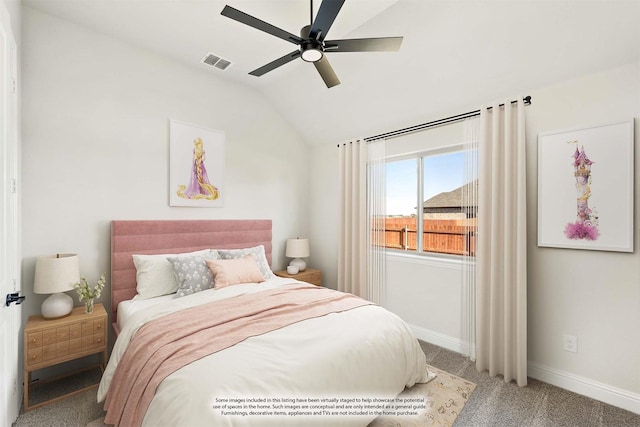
<point x="310" y="49"/>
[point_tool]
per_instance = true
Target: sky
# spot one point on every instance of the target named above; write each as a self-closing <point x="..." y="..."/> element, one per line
<point x="443" y="172"/>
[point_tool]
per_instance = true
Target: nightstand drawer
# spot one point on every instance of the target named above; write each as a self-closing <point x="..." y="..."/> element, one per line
<point x="34" y="340"/>
<point x="99" y="326"/>
<point x="34" y="356"/>
<point x="98" y="340"/>
<point x="93" y="341"/>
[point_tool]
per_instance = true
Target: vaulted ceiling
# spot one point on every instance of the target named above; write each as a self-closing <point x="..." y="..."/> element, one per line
<point x="455" y="54"/>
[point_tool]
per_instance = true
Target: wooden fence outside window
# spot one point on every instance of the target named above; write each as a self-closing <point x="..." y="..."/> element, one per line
<point x="446" y="236"/>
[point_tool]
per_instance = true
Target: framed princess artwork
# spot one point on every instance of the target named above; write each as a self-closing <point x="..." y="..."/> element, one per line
<point x="585" y="187"/>
<point x="196" y="165"/>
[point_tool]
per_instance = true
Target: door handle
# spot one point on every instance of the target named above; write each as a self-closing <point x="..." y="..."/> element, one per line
<point x="14" y="297"/>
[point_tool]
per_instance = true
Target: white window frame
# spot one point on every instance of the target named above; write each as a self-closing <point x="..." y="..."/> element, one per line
<point x="419" y="156"/>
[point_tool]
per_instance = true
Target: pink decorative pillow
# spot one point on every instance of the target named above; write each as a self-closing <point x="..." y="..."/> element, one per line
<point x="227" y="272"/>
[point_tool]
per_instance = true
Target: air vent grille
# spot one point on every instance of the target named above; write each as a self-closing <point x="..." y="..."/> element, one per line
<point x="222" y="64"/>
<point x="215" y="61"/>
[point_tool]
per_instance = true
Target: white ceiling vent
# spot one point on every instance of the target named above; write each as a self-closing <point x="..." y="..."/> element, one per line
<point x="215" y="61"/>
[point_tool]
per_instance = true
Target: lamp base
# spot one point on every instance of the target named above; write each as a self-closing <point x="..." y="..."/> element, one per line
<point x="299" y="262"/>
<point x="57" y="305"/>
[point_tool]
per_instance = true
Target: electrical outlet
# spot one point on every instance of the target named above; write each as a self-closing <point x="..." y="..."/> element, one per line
<point x="571" y="343"/>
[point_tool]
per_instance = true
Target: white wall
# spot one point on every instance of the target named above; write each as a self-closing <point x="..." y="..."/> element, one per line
<point x="95" y="146"/>
<point x="592" y="295"/>
<point x="427" y="292"/>
<point x="14" y="7"/>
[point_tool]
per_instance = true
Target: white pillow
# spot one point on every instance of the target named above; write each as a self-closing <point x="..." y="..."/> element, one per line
<point x="154" y="274"/>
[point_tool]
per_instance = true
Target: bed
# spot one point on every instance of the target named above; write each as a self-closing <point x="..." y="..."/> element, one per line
<point x="306" y="355"/>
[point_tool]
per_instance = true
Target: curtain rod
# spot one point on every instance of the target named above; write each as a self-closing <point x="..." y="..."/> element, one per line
<point x="452" y="119"/>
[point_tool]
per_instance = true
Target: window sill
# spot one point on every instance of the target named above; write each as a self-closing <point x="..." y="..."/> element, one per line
<point x="438" y="260"/>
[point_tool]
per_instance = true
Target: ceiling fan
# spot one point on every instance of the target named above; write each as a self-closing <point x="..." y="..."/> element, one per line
<point x="312" y="43"/>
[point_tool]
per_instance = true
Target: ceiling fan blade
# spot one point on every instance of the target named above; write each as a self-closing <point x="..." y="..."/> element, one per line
<point x="326" y="72"/>
<point x="324" y="19"/>
<point x="258" y="24"/>
<point x="275" y="64"/>
<point x="381" y="44"/>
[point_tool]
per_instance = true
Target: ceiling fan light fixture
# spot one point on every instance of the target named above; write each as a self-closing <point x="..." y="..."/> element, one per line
<point x="311" y="55"/>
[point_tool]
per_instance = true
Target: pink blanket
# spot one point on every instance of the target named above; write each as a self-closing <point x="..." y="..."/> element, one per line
<point x="164" y="345"/>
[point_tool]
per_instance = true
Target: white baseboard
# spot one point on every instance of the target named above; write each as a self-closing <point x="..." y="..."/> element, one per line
<point x="585" y="386"/>
<point x="439" y="339"/>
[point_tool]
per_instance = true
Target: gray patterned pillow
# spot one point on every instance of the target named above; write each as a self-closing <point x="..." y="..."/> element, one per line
<point x="258" y="254"/>
<point x="192" y="273"/>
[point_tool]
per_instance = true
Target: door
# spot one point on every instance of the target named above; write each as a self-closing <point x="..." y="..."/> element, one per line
<point x="9" y="235"/>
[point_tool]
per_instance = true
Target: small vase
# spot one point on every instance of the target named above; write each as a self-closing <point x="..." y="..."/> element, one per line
<point x="88" y="306"/>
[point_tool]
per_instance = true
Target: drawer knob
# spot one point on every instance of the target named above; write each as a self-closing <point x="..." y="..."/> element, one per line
<point x="34" y="357"/>
<point x="34" y="340"/>
<point x="99" y="339"/>
<point x="99" y="326"/>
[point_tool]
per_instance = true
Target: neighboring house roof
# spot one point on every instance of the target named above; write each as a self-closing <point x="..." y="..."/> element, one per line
<point x="452" y="199"/>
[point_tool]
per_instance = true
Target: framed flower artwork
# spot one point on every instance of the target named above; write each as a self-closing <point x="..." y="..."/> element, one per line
<point x="196" y="165"/>
<point x="585" y="187"/>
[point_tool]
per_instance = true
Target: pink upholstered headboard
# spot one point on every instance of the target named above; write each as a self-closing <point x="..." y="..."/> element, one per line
<point x="175" y="236"/>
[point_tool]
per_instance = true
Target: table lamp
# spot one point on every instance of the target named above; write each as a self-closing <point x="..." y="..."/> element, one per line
<point x="56" y="274"/>
<point x="297" y="249"/>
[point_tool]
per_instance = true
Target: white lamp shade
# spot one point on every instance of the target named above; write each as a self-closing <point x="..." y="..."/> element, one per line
<point x="297" y="248"/>
<point x="56" y="273"/>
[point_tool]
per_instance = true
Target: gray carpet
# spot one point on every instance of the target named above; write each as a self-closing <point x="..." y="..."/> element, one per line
<point x="492" y="404"/>
<point x="77" y="410"/>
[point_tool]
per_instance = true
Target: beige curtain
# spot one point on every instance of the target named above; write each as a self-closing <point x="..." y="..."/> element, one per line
<point x="360" y="252"/>
<point x="501" y="294"/>
<point x="352" y="261"/>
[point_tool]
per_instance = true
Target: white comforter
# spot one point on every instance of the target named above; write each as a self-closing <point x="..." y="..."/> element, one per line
<point x="363" y="353"/>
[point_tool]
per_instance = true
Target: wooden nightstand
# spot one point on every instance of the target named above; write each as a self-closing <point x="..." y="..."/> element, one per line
<point x="310" y="275"/>
<point x="50" y="342"/>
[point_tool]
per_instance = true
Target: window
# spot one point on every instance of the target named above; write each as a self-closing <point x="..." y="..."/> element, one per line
<point x="427" y="208"/>
<point x="401" y="221"/>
